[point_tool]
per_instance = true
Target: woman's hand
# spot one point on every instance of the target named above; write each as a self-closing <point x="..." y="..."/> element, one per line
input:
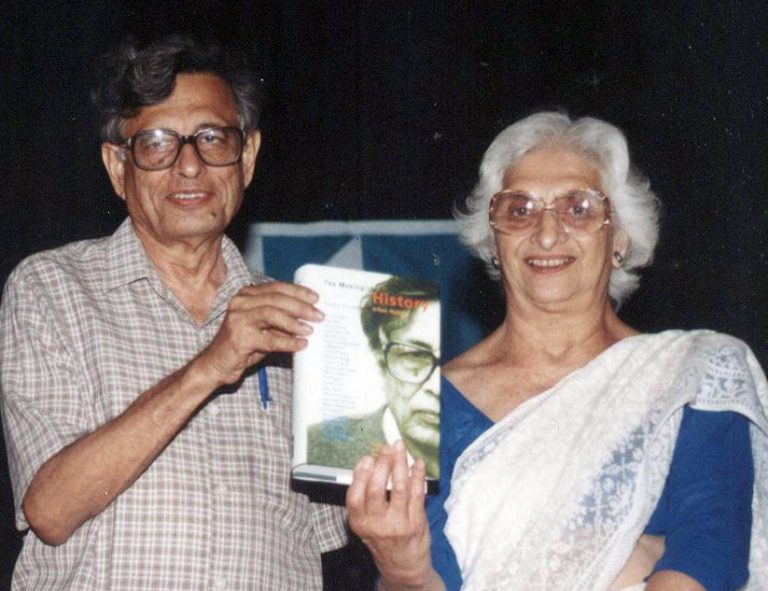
<point x="395" y="529"/>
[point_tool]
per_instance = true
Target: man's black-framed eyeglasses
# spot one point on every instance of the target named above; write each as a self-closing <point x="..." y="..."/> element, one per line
<point x="158" y="149"/>
<point x="409" y="363"/>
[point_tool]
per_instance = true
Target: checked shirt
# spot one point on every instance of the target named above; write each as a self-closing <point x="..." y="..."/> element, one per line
<point x="84" y="329"/>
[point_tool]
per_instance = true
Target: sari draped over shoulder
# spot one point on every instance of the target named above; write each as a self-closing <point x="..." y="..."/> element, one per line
<point x="555" y="496"/>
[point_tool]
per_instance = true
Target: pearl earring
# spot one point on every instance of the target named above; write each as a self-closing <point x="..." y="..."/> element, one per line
<point x="495" y="262"/>
<point x="619" y="258"/>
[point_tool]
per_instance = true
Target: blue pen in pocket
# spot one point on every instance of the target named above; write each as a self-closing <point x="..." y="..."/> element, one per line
<point x="264" y="388"/>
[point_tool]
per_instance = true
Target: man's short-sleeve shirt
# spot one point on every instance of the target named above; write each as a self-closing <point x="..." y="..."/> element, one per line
<point x="86" y="328"/>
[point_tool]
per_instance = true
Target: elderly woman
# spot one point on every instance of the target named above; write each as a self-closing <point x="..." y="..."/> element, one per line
<point x="577" y="453"/>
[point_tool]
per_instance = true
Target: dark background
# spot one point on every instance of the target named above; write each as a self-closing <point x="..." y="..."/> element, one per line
<point x="382" y="110"/>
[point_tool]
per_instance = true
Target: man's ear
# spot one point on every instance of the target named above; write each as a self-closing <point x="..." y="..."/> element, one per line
<point x="114" y="157"/>
<point x="250" y="151"/>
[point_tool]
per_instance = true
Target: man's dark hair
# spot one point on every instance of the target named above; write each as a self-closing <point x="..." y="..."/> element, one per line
<point x="136" y="75"/>
<point x="374" y="316"/>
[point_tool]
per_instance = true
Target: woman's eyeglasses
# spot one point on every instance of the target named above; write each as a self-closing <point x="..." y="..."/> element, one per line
<point x="581" y="211"/>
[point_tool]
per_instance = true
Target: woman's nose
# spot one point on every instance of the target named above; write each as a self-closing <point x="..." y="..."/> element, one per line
<point x="549" y="230"/>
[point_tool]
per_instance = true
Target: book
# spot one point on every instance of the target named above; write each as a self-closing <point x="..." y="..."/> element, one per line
<point x="370" y="374"/>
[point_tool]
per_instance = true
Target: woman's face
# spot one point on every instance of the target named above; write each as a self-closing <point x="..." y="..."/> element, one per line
<point x="546" y="265"/>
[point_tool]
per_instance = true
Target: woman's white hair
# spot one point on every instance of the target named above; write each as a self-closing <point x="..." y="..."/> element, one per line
<point x="634" y="207"/>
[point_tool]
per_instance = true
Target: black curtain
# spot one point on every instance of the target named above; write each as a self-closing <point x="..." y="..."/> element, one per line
<point x="383" y="110"/>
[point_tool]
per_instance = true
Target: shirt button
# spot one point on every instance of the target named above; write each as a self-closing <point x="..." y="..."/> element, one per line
<point x="221" y="489"/>
<point x="221" y="584"/>
<point x="213" y="410"/>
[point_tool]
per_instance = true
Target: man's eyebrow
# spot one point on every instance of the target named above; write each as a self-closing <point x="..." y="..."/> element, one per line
<point x="201" y="127"/>
<point x="209" y="124"/>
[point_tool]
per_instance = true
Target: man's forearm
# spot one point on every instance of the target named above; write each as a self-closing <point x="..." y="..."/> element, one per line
<point x="81" y="480"/>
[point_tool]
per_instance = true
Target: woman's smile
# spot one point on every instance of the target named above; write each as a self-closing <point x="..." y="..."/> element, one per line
<point x="549" y="264"/>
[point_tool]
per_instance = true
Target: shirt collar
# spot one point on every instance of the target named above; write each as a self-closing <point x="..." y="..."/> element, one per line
<point x="127" y="262"/>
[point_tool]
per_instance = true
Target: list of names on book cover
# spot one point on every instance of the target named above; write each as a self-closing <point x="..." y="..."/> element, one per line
<point x="339" y="367"/>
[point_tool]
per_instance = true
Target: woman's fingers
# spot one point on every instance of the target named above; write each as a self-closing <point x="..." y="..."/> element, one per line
<point x="356" y="493"/>
<point x="418" y="490"/>
<point x="400" y="492"/>
<point x="374" y="510"/>
<point x="376" y="492"/>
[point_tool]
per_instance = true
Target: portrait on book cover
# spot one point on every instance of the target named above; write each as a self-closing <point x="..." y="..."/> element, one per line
<point x="400" y="318"/>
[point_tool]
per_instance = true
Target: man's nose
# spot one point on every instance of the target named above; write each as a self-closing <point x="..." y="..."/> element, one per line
<point x="189" y="163"/>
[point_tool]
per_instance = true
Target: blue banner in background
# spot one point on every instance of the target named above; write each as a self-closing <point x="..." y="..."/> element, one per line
<point x="429" y="249"/>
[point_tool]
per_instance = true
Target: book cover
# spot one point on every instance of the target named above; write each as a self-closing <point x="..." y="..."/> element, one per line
<point x="370" y="374"/>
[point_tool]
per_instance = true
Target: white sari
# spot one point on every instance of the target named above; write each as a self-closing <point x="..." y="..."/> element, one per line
<point x="555" y="496"/>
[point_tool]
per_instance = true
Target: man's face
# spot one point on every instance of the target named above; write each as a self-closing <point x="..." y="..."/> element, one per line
<point x="189" y="203"/>
<point x="416" y="407"/>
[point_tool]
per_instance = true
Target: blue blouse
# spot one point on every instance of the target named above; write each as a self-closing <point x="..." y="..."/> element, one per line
<point x="704" y="510"/>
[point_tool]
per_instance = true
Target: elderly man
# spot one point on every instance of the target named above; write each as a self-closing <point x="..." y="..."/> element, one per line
<point x="147" y="420"/>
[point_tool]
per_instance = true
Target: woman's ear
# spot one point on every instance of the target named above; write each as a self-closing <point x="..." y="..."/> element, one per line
<point x="620" y="247"/>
